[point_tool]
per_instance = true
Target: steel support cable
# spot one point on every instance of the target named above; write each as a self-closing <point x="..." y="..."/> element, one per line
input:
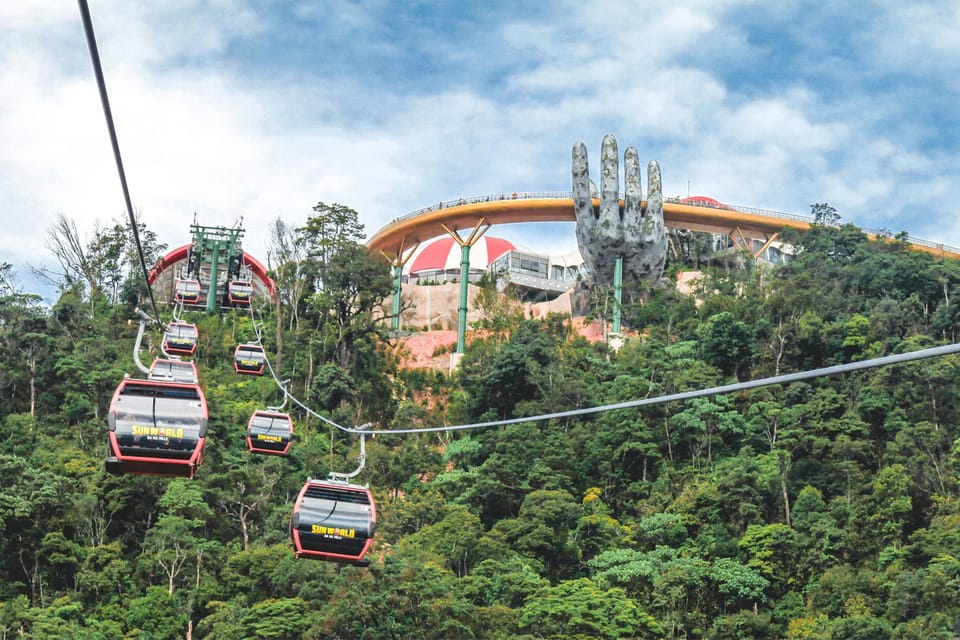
<point x="872" y="363"/>
<point x="333" y="475"/>
<point x="688" y="395"/>
<point x="107" y="113"/>
<point x="286" y="393"/>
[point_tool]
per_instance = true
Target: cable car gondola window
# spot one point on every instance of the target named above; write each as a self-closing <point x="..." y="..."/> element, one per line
<point x="269" y="432"/>
<point x="333" y="521"/>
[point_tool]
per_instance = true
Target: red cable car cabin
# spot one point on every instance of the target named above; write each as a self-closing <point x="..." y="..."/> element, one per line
<point x="270" y="432"/>
<point x="240" y="292"/>
<point x="187" y="291"/>
<point x="156" y="428"/>
<point x="333" y="521"/>
<point x="174" y="371"/>
<point x="181" y="338"/>
<point x="249" y="358"/>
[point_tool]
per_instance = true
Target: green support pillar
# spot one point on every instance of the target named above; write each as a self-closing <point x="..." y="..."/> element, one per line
<point x="215" y="240"/>
<point x="617" y="293"/>
<point x="397" y="261"/>
<point x="212" y="286"/>
<point x="397" y="282"/>
<point x="462" y="315"/>
<point x="478" y="230"/>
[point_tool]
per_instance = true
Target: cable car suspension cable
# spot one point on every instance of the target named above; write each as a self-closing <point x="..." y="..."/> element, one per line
<point x="932" y="352"/>
<point x="283" y="387"/>
<point x="899" y="358"/>
<point x="287" y="394"/>
<point x="332" y="475"/>
<point x="361" y="459"/>
<point x="108" y="115"/>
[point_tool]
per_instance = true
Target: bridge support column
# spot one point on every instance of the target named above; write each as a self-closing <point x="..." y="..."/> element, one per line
<point x="617" y="293"/>
<point x="462" y="309"/>
<point x="478" y="230"/>
<point x="397" y="288"/>
<point x="742" y="242"/>
<point x="396" y="263"/>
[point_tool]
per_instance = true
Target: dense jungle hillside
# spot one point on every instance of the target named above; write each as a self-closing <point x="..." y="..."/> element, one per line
<point x="821" y="509"/>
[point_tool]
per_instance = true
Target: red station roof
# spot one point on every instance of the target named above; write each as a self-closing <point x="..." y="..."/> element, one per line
<point x="443" y="254"/>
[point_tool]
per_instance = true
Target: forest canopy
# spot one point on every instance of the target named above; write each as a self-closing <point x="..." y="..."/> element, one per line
<point x="827" y="508"/>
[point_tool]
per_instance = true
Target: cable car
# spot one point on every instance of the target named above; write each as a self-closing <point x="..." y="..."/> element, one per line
<point x="156" y="428"/>
<point x="269" y="432"/>
<point x="187" y="291"/>
<point x="249" y="358"/>
<point x="333" y="521"/>
<point x="174" y="371"/>
<point x="181" y="338"/>
<point x="240" y="292"/>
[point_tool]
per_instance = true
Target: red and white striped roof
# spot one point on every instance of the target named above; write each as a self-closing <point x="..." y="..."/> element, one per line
<point x="443" y="254"/>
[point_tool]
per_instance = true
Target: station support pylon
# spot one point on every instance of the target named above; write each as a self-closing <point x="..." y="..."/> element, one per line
<point x="212" y="285"/>
<point x="216" y="240"/>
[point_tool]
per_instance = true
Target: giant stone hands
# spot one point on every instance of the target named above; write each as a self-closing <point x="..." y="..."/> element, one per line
<point x="632" y="232"/>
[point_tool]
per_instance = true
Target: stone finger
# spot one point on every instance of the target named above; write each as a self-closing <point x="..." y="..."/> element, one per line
<point x="609" y="186"/>
<point x="632" y="189"/>
<point x="582" y="198"/>
<point x="583" y="204"/>
<point x="654" y="231"/>
<point x="653" y="214"/>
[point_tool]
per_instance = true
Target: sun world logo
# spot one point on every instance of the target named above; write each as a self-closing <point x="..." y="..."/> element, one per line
<point x="157" y="432"/>
<point x="333" y="531"/>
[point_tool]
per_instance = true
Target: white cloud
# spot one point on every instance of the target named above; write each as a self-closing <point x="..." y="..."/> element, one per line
<point x="208" y="122"/>
<point x="915" y="38"/>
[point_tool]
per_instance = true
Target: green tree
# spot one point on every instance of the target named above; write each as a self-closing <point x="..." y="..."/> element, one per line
<point x="454" y="539"/>
<point x="889" y="505"/>
<point x="406" y="597"/>
<point x="105" y="575"/>
<point x="543" y="529"/>
<point x="773" y="550"/>
<point x="280" y="619"/>
<point x="333" y="228"/>
<point x="580" y="608"/>
<point x="157" y="615"/>
<point x="29" y="502"/>
<point x="726" y="343"/>
<point x="169" y="544"/>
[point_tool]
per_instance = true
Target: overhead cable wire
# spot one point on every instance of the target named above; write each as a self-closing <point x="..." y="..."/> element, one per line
<point x="688" y="395"/>
<point x="872" y="363"/>
<point x="105" y="102"/>
<point x="921" y="354"/>
<point x="334" y="475"/>
<point x="287" y="394"/>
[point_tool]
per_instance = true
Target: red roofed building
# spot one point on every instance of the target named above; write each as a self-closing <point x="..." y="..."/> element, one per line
<point x="439" y="260"/>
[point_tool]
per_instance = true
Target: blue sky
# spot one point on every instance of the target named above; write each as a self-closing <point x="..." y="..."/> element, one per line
<point x="262" y="109"/>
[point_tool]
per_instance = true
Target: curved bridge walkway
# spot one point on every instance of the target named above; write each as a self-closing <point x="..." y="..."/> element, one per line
<point x="749" y="229"/>
<point x="742" y="224"/>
